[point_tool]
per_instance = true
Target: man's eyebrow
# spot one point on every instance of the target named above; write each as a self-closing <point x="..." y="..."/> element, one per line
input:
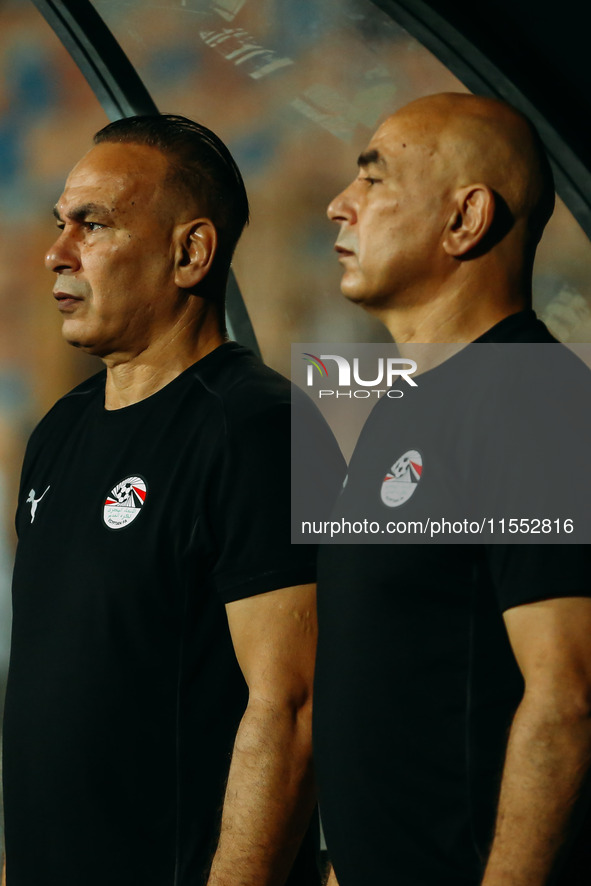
<point x="371" y="158"/>
<point x="80" y="213"/>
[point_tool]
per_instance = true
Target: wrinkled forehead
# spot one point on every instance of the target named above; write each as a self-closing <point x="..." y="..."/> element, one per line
<point x="407" y="131"/>
<point x="118" y="174"/>
<point x="403" y="147"/>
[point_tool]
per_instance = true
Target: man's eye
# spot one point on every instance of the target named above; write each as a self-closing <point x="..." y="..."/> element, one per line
<point x="369" y="180"/>
<point x="93" y="226"/>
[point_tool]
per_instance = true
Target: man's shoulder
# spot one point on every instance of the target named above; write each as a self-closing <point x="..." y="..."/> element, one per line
<point x="523" y="353"/>
<point x="241" y="384"/>
<point x="75" y="401"/>
<point x="90" y="386"/>
<point x="521" y="327"/>
<point x="81" y="394"/>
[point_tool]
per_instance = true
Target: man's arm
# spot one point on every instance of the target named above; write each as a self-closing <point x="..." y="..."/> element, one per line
<point x="545" y="776"/>
<point x="270" y="793"/>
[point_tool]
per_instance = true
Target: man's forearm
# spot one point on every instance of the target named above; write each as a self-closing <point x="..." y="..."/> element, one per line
<point x="269" y="797"/>
<point x="546" y="766"/>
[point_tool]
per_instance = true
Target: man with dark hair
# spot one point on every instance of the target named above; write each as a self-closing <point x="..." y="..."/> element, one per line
<point x="210" y="176"/>
<point x="163" y="623"/>
<point x="452" y="704"/>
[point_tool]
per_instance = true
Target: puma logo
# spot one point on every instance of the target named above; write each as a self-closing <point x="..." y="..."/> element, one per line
<point x="34" y="502"/>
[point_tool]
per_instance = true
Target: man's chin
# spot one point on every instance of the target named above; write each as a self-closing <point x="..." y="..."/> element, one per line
<point x="77" y="338"/>
<point x="372" y="303"/>
<point x="355" y="295"/>
<point x="354" y="298"/>
<point x="71" y="335"/>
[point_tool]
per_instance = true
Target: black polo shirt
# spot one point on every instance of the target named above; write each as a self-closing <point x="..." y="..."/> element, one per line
<point x="416" y="682"/>
<point x="136" y="527"/>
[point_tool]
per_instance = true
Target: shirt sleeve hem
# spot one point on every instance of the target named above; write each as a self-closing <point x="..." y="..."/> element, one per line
<point x="238" y="588"/>
<point x="543" y="595"/>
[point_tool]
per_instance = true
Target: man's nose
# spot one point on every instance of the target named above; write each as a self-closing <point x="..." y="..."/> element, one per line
<point x="340" y="207"/>
<point x="62" y="255"/>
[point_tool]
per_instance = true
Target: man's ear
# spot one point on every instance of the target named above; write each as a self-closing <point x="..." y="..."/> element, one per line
<point x="196" y="244"/>
<point x="471" y="220"/>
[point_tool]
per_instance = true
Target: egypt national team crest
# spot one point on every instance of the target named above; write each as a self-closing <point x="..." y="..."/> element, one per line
<point x="124" y="502"/>
<point x="402" y="479"/>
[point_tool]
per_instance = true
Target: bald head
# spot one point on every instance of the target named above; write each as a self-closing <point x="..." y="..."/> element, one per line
<point x="468" y="139"/>
<point x="451" y="197"/>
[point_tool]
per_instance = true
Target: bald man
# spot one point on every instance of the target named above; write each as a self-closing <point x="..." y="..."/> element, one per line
<point x="453" y="682"/>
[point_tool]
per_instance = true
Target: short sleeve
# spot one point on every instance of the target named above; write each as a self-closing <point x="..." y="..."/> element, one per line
<point x="250" y="510"/>
<point x="526" y="573"/>
<point x="542" y="480"/>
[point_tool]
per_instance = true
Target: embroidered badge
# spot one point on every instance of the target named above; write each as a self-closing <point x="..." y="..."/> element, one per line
<point x="402" y="479"/>
<point x="124" y="502"/>
<point x="34" y="502"/>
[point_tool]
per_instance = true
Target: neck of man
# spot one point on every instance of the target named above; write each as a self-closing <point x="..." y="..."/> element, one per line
<point x="459" y="308"/>
<point x="134" y="376"/>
